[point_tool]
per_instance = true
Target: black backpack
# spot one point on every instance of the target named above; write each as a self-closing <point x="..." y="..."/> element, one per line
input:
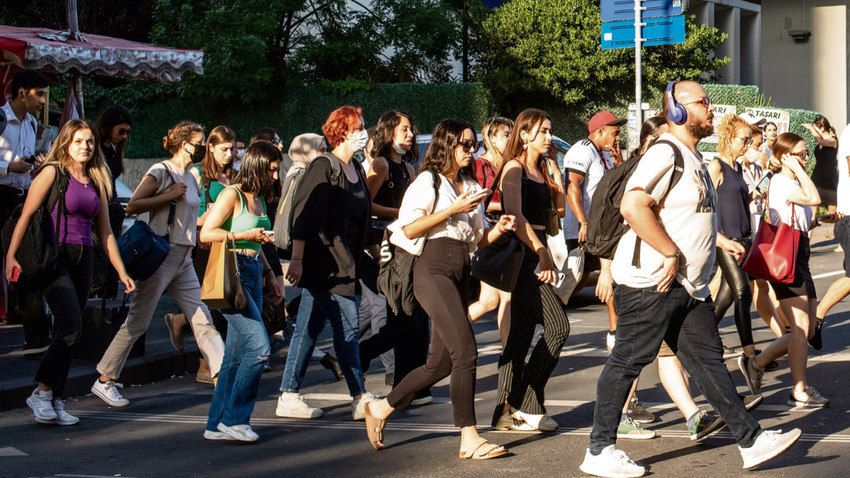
<point x="395" y="278"/>
<point x="605" y="224"/>
<point x="36" y="253"/>
<point x="283" y="217"/>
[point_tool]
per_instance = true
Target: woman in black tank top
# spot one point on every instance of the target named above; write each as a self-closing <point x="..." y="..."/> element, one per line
<point x="527" y="191"/>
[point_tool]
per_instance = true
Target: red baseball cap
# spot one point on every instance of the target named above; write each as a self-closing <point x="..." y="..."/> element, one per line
<point x="603" y="118"/>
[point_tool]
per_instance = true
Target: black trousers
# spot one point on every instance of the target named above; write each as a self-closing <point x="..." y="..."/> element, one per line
<point x="440" y="279"/>
<point x="66" y="293"/>
<point x="532" y="302"/>
<point x="735" y="288"/>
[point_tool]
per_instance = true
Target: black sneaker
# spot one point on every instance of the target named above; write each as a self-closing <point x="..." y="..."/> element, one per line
<point x="816" y="341"/>
<point x="638" y="414"/>
<point x="332" y="364"/>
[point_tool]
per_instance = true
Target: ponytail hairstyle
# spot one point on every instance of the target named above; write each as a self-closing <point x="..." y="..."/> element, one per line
<point x="530" y="121"/>
<point x="649" y="132"/>
<point x="181" y="132"/>
<point x="489" y="129"/>
<point x="210" y="169"/>
<point x="95" y="168"/>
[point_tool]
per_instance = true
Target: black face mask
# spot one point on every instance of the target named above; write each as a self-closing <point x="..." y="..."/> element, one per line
<point x="200" y="152"/>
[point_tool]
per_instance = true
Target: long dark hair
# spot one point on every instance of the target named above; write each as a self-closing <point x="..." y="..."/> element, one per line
<point x="209" y="167"/>
<point x="253" y="175"/>
<point x="823" y="123"/>
<point x="447" y="135"/>
<point x="529" y="120"/>
<point x="111" y="117"/>
<point x="382" y="139"/>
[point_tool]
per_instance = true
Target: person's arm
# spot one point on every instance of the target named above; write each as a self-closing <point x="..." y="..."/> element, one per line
<point x="110" y="245"/>
<point x="560" y="200"/>
<point x="715" y="172"/>
<point x="605" y="282"/>
<point x="576" y="202"/>
<point x="145" y="199"/>
<point x="807" y="193"/>
<point x="512" y="197"/>
<point x="465" y="202"/>
<point x="37" y="195"/>
<point x="270" y="280"/>
<point x="378" y="174"/>
<point x="636" y="208"/>
<point x="16" y="165"/>
<point x="821" y="137"/>
<point x="506" y="223"/>
<point x="224" y="208"/>
<point x="735" y="249"/>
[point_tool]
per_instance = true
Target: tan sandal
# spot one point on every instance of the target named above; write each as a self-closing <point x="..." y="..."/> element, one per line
<point x="374" y="429"/>
<point x="483" y="450"/>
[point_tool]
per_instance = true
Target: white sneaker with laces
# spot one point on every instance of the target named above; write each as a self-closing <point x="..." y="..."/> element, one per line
<point x="768" y="445"/>
<point x="292" y="405"/>
<point x="62" y="417"/>
<point x="358" y="406"/>
<point x="211" y="435"/>
<point x="239" y="432"/>
<point x="108" y="392"/>
<point x="610" y="463"/>
<point x="42" y="405"/>
<point x="809" y="398"/>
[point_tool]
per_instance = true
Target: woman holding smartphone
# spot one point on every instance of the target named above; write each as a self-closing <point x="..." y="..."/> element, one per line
<point x="451" y="219"/>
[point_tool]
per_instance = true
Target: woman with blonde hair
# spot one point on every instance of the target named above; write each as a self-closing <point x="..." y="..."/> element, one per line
<point x="76" y="158"/>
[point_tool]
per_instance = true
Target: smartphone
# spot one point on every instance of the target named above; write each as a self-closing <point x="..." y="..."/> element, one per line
<point x="762" y="186"/>
<point x="30" y="160"/>
<point x="16" y="274"/>
<point x="482" y="194"/>
<point x="269" y="233"/>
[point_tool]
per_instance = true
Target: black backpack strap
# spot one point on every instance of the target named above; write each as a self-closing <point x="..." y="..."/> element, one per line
<point x="678" y="170"/>
<point x="57" y="196"/>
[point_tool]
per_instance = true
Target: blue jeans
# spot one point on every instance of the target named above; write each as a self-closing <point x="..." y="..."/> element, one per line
<point x="246" y="352"/>
<point x="688" y="326"/>
<point x="316" y="305"/>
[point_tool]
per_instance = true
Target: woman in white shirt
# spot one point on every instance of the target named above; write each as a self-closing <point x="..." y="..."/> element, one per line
<point x="452" y="220"/>
<point x="789" y="197"/>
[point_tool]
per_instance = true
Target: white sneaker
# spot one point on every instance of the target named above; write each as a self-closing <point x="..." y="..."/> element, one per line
<point x="239" y="432"/>
<point x="294" y="406"/>
<point x="543" y="423"/>
<point x="211" y="435"/>
<point x="768" y="445"/>
<point x="421" y="401"/>
<point x="610" y="463"/>
<point x="358" y="406"/>
<point x="42" y="406"/>
<point x="62" y="417"/>
<point x="108" y="392"/>
<point x="610" y="340"/>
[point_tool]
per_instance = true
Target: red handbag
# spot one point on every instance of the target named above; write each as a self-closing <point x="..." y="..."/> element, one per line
<point x="773" y="254"/>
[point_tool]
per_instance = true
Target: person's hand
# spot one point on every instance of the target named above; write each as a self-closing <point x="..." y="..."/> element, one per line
<point x="582" y="233"/>
<point x="506" y="223"/>
<point x="275" y="283"/>
<point x="668" y="273"/>
<point x="792" y="163"/>
<point x="129" y="285"/>
<point x="774" y="163"/>
<point x="293" y="274"/>
<point x="176" y="191"/>
<point x="466" y="202"/>
<point x="255" y="235"/>
<point x="734" y="249"/>
<point x="19" y="166"/>
<point x="547" y="273"/>
<point x="616" y="156"/>
<point x="830" y="218"/>
<point x="605" y="285"/>
<point x="11" y="265"/>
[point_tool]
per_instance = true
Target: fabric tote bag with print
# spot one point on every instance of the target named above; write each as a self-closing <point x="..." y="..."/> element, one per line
<point x="222" y="285"/>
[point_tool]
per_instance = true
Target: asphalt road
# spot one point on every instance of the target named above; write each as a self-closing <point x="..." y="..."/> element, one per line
<point x="161" y="433"/>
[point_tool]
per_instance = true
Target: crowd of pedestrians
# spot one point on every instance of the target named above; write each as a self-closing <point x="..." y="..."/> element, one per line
<point x="343" y="197"/>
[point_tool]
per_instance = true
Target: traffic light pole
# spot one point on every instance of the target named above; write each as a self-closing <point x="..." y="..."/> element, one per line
<point x="638" y="46"/>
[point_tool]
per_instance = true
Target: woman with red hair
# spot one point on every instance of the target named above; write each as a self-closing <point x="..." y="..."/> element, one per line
<point x="331" y="228"/>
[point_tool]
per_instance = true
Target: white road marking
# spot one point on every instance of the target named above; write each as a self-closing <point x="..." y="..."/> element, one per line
<point x="827" y="274"/>
<point x="418" y="428"/>
<point x="10" y="451"/>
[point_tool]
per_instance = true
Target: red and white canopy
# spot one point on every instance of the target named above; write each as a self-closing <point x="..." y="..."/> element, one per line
<point x="99" y="54"/>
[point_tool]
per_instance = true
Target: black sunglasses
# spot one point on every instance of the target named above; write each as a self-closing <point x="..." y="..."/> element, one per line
<point x="123" y="131"/>
<point x="468" y="146"/>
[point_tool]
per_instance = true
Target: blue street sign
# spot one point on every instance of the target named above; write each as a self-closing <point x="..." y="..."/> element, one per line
<point x="658" y="31"/>
<point x="622" y="10"/>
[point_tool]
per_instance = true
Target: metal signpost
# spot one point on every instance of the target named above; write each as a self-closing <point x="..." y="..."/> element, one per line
<point x="653" y="22"/>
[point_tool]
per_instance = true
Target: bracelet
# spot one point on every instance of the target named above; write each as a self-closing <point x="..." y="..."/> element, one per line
<point x="676" y="254"/>
<point x="582" y="224"/>
<point x="448" y="216"/>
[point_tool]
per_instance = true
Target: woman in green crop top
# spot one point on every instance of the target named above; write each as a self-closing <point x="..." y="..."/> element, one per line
<point x="239" y="218"/>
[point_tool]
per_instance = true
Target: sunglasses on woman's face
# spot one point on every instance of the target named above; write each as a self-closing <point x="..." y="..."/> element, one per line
<point x="468" y="146"/>
<point x="804" y="154"/>
<point x="123" y="131"/>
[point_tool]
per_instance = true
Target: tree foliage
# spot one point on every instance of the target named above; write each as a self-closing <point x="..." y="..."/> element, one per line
<point x="550" y="49"/>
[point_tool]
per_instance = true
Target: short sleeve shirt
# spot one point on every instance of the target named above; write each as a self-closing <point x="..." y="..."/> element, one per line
<point x="185" y="223"/>
<point x="583" y="158"/>
<point x="688" y="216"/>
<point x="780" y="188"/>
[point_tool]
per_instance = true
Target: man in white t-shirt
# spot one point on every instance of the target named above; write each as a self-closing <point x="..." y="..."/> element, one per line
<point x="839" y="289"/>
<point x="662" y="291"/>
<point x="584" y="165"/>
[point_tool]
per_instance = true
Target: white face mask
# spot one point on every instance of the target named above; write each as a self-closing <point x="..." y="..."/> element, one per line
<point x="359" y="139"/>
<point x="398" y="149"/>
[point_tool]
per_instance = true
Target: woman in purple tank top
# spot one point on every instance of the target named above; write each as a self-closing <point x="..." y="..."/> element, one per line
<point x="76" y="159"/>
